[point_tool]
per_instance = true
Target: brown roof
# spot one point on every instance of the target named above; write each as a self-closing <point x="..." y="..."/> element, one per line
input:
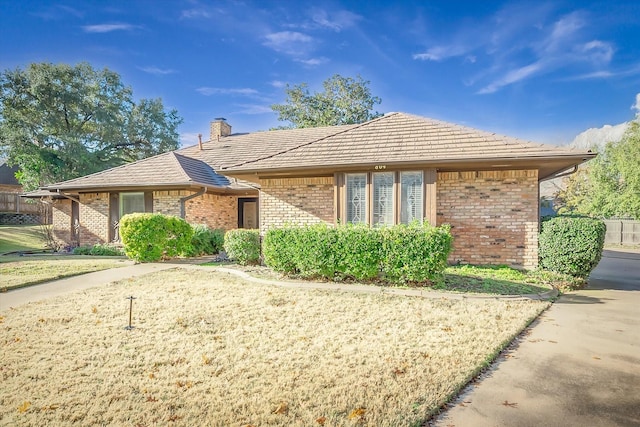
<point x="165" y="170"/>
<point x="396" y="139"/>
<point x="404" y="139"/>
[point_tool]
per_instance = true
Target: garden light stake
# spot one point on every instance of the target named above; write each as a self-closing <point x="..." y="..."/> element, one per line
<point x="131" y="298"/>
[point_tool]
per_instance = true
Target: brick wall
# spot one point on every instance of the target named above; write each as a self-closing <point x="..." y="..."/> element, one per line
<point x="494" y="216"/>
<point x="61" y="220"/>
<point x="216" y="211"/>
<point x="168" y="202"/>
<point x="94" y="218"/>
<point x="296" y="201"/>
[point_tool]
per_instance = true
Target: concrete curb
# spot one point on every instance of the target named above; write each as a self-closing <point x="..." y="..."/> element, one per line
<point x="423" y="293"/>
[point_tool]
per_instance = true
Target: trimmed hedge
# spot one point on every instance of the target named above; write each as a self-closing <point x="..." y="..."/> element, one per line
<point x="106" y="249"/>
<point x="243" y="245"/>
<point x="205" y="241"/>
<point x="399" y="254"/>
<point x="571" y="245"/>
<point x="152" y="237"/>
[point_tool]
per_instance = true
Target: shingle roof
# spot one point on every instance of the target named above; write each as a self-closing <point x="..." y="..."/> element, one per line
<point x="398" y="138"/>
<point x="168" y="169"/>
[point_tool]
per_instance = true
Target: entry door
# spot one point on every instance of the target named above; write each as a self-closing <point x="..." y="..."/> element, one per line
<point x="248" y="213"/>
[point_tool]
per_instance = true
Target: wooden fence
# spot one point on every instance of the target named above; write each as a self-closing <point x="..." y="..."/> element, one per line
<point x="13" y="203"/>
<point x="622" y="231"/>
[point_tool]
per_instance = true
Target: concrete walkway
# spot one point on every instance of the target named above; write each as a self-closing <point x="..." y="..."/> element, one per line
<point x="578" y="365"/>
<point x="34" y="293"/>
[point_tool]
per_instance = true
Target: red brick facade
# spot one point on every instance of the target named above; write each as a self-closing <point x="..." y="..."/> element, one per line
<point x="494" y="216"/>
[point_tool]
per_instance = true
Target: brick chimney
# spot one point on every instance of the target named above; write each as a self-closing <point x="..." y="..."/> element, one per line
<point x="219" y="127"/>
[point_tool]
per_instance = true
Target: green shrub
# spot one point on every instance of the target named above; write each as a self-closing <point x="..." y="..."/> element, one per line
<point x="152" y="237"/>
<point x="106" y="249"/>
<point x="205" y="241"/>
<point x="243" y="245"/>
<point x="403" y="253"/>
<point x="415" y="253"/>
<point x="358" y="251"/>
<point x="279" y="249"/>
<point x="571" y="245"/>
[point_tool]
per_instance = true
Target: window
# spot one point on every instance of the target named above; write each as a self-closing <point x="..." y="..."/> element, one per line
<point x="411" y="197"/>
<point x="383" y="198"/>
<point x="356" y="200"/>
<point x="386" y="198"/>
<point x="131" y="203"/>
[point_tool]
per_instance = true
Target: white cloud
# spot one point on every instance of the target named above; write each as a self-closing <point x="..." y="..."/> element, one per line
<point x="312" y="62"/>
<point x="195" y="14"/>
<point x="277" y="83"/>
<point x="512" y="76"/>
<point x="597" y="51"/>
<point x="636" y="106"/>
<point x="157" y="71"/>
<point x="336" y="21"/>
<point x="208" y="91"/>
<point x="440" y="53"/>
<point x="106" y="28"/>
<point x="289" y="42"/>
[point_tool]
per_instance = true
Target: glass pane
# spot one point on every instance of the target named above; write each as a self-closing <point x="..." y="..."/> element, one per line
<point x="411" y="195"/>
<point x="131" y="203"/>
<point x="383" y="198"/>
<point x="356" y="185"/>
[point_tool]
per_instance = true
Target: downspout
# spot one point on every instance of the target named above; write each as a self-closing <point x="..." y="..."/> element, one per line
<point x="66" y="196"/>
<point x="187" y="198"/>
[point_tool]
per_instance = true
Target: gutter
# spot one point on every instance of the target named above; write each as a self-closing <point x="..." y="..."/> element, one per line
<point x="66" y="196"/>
<point x="187" y="198"/>
<point x="563" y="174"/>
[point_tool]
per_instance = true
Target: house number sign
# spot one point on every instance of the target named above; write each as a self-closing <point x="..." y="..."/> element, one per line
<point x="380" y="167"/>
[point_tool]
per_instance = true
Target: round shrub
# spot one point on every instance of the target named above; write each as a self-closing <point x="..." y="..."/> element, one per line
<point x="279" y="249"/>
<point x="243" y="245"/>
<point x="571" y="245"/>
<point x="205" y="241"/>
<point x="152" y="237"/>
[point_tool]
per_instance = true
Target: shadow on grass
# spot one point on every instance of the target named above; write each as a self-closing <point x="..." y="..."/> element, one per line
<point x="486" y="285"/>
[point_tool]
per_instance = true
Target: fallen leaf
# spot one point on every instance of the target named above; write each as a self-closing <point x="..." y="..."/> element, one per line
<point x="24" y="407"/>
<point x="554" y="342"/>
<point x="283" y="408"/>
<point x="596" y="357"/>
<point x="321" y="420"/>
<point x="357" y="413"/>
<point x="509" y="404"/>
<point x="205" y="359"/>
<point x="151" y="399"/>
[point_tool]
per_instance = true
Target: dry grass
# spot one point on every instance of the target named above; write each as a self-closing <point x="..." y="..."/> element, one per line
<point x="210" y="349"/>
<point x="22" y="271"/>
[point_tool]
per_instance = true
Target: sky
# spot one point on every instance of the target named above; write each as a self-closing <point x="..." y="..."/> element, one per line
<point x="538" y="70"/>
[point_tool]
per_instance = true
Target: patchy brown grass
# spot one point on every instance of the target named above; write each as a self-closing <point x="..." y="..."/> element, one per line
<point x="210" y="349"/>
<point x="18" y="272"/>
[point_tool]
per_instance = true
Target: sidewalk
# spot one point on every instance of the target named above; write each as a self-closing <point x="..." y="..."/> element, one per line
<point x="42" y="291"/>
<point x="578" y="365"/>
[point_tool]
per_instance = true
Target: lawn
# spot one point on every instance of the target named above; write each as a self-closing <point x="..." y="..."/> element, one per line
<point x="17" y="272"/>
<point x="21" y="238"/>
<point x="211" y="349"/>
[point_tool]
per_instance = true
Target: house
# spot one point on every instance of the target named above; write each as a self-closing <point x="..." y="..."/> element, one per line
<point x="393" y="169"/>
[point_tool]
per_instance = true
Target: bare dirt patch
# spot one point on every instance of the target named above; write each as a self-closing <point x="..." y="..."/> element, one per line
<point x="208" y="348"/>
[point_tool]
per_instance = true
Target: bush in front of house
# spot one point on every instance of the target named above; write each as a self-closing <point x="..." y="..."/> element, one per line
<point x="243" y="245"/>
<point x="571" y="245"/>
<point x="205" y="241"/>
<point x="106" y="249"/>
<point x="152" y="237"/>
<point x="401" y="254"/>
<point x="415" y="253"/>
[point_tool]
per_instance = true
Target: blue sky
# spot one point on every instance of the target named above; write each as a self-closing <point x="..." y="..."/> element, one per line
<point x="543" y="71"/>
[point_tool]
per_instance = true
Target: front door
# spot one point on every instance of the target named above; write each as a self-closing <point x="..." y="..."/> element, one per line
<point x="248" y="212"/>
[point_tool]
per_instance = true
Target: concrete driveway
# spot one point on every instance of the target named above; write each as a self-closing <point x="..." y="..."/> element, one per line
<point x="578" y="364"/>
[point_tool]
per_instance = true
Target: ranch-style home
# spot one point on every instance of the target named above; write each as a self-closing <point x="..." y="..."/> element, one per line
<point x="394" y="169"/>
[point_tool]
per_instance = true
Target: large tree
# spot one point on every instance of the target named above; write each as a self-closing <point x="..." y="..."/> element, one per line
<point x="344" y="101"/>
<point x="59" y="122"/>
<point x="609" y="185"/>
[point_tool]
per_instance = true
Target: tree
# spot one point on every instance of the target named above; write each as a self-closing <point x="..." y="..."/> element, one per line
<point x="344" y="101"/>
<point x="59" y="122"/>
<point x="610" y="184"/>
